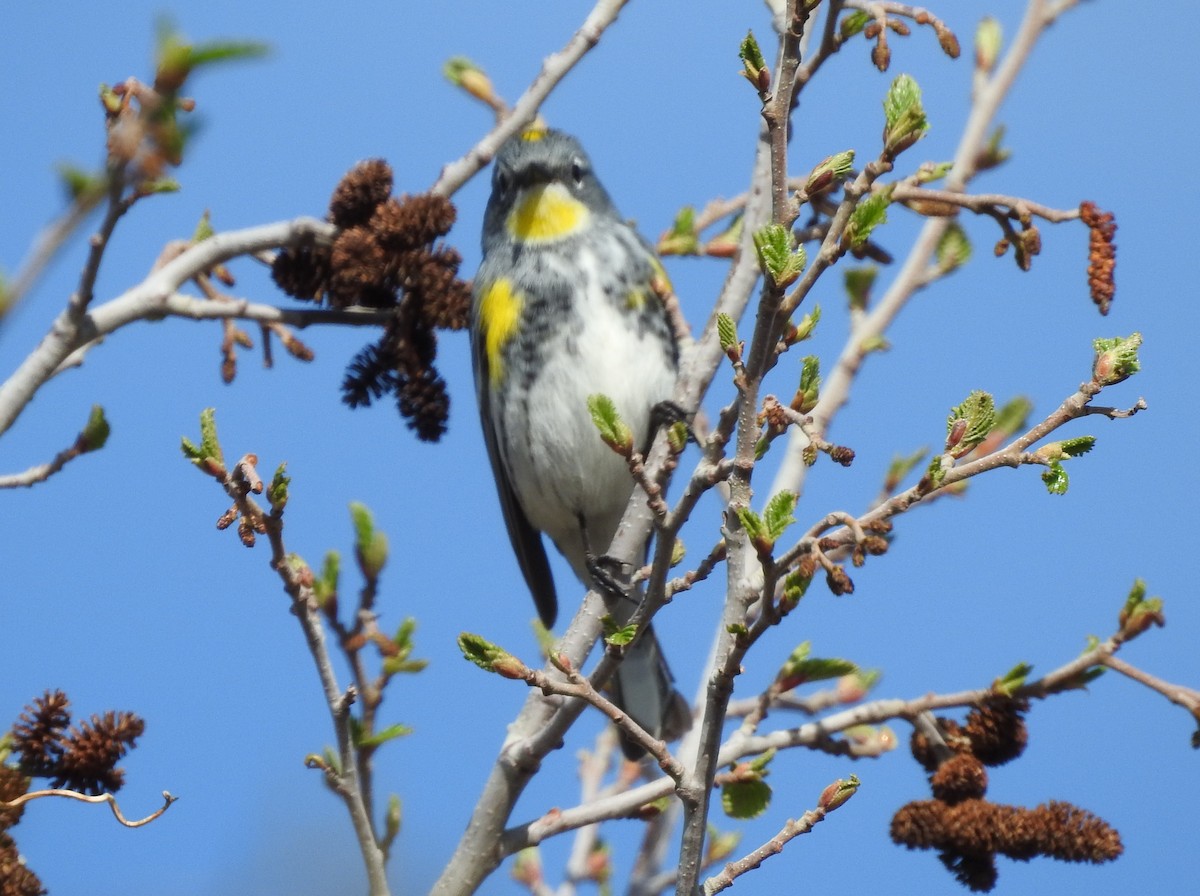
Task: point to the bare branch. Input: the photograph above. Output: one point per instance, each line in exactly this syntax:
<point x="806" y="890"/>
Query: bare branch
<point x="77" y="326"/>
<point x="98" y="798"/>
<point x="1188" y="698"/>
<point x="773" y="847"/>
<point x="554" y="69"/>
<point x="42" y="472"/>
<point x="46" y="246"/>
<point x="349" y="781"/>
<point x="912" y="274"/>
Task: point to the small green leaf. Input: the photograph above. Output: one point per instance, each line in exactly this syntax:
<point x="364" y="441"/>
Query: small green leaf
<point x="83" y="187"/>
<point x="1012" y="680"/>
<point x="203" y="229"/>
<point x="277" y="491"/>
<point x="209" y="443"/>
<point x="1012" y="417"/>
<point x="969" y="423"/>
<point x="382" y="737"/>
<point x="1116" y="359"/>
<point x="809" y="390"/>
<point x="989" y="39"/>
<point x="682" y="238"/>
<point x="752" y="523"/>
<point x="935" y="473"/>
<point x="325" y="585"/>
<point x="719" y="845"/>
<point x="759" y="763"/>
<point x="901" y="467"/>
<point x="1056" y="479"/>
<point x="807" y="325"/>
<point x="1076" y="447"/>
<point x="778" y="260"/>
<point x="618" y="635"/>
<point x="754" y="66"/>
<point x="678" y="552"/>
<point x="391" y="824"/>
<point x="403" y="638"/>
<point x="207" y="455"/>
<point x="858" y="283"/>
<point x="801" y="668"/>
<point x="953" y="249"/>
<point x="1140" y="612"/>
<point x="489" y="657"/>
<point x="726" y="331"/>
<point x="829" y="172"/>
<point x="994" y="154"/>
<point x="467" y="74"/>
<point x="904" y="116"/>
<point x="778" y="513"/>
<point x="396" y="666"/>
<point x="837" y="793"/>
<point x="795" y="586"/>
<point x="95" y="432"/>
<point x="929" y="172"/>
<point x="614" y="432"/>
<point x="176" y="58"/>
<point x="159" y="185"/>
<point x="745" y="799"/>
<point x="870" y="213"/>
<point x="874" y="343"/>
<point x="726" y="243"/>
<point x="853" y="24"/>
<point x="370" y="545"/>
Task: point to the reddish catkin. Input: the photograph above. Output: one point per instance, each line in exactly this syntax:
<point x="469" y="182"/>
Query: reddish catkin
<point x="1102" y="254"/>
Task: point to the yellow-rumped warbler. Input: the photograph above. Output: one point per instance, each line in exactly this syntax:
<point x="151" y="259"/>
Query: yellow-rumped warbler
<point x="565" y="308"/>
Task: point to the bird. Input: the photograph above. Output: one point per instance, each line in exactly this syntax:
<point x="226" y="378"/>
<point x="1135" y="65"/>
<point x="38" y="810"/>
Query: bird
<point x="567" y="304"/>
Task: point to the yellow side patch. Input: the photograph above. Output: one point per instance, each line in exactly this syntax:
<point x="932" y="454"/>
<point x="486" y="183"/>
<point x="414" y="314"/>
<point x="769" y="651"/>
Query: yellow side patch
<point x="499" y="315"/>
<point x="546" y="213"/>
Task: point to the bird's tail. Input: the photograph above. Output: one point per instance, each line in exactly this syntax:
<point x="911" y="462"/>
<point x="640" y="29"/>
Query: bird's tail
<point x="645" y="689"/>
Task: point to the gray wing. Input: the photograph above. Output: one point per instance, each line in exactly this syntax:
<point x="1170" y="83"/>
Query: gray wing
<point x="526" y="540"/>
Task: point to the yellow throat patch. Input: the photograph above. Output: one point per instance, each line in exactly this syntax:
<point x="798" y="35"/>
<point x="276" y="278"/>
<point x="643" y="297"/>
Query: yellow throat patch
<point x="546" y="213"/>
<point x="499" y="315"/>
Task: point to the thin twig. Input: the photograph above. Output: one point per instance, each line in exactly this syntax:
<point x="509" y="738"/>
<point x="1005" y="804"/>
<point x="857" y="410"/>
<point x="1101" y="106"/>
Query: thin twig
<point x="816" y="735"/>
<point x="913" y="273"/>
<point x="554" y="69"/>
<point x="46" y="246"/>
<point x="347" y="781"/>
<point x="773" y="847"/>
<point x="695" y="791"/>
<point x="1188" y="698"/>
<point x="42" y="472"/>
<point x="85" y="798"/>
<point x="79" y="324"/>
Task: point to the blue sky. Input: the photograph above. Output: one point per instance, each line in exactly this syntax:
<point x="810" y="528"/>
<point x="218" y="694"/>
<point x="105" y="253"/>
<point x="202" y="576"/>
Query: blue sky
<point x="119" y="590"/>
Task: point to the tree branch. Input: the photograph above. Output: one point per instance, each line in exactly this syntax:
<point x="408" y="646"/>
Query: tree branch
<point x="85" y="798"/>
<point x="554" y="69"/>
<point x="912" y="275"/>
<point x="77" y="326"/>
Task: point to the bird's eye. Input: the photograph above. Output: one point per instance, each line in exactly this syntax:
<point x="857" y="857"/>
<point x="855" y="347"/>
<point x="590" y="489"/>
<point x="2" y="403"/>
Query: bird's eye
<point x="578" y="170"/>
